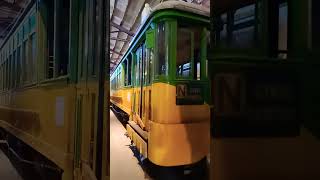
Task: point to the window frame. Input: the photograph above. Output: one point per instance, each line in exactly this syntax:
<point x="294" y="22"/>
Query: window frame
<point x="258" y="47"/>
<point x="167" y="42"/>
<point x="191" y="51"/>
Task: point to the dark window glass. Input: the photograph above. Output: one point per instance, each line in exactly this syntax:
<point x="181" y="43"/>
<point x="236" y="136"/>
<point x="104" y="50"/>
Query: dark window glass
<point x="188" y="51"/>
<point x="50" y="38"/>
<point x="125" y="71"/>
<point x="237" y="28"/>
<point x="145" y="65"/>
<point x="129" y="69"/>
<point x="315" y="24"/>
<point x="162" y="54"/>
<point x="283" y="31"/>
<point x="18" y="65"/>
<point x="24" y="60"/>
<point x="10" y="72"/>
<point x="184" y="40"/>
<point x="138" y="67"/>
<point x="63" y="59"/>
<point x="33" y="55"/>
<point x="33" y="22"/>
<point x="14" y="77"/>
<point x="150" y="57"/>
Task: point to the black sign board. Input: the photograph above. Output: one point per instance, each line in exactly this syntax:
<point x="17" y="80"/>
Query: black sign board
<point x="254" y="103"/>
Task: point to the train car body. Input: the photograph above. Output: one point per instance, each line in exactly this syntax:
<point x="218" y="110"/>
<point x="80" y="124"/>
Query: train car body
<point x="49" y="90"/>
<point x="161" y="84"/>
<point x="264" y="125"/>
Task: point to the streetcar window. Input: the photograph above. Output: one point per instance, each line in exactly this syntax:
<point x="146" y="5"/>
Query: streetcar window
<point x="145" y="66"/>
<point x="26" y="30"/>
<point x="315" y="24"/>
<point x="129" y="69"/>
<point x="32" y="22"/>
<point x="18" y="65"/>
<point x="50" y="37"/>
<point x="24" y="60"/>
<point x="7" y="73"/>
<point x="188" y="49"/>
<point x="162" y="52"/>
<point x="237" y="28"/>
<point x="283" y="31"/>
<point x="33" y="56"/>
<point x="14" y="68"/>
<point x="184" y="51"/>
<point x="125" y="73"/>
<point x="150" y="63"/>
<point x="10" y="72"/>
<point x="63" y="46"/>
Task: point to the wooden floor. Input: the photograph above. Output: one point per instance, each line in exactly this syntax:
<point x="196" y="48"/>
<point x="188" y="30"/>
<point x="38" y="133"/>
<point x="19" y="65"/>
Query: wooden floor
<point x="7" y="171"/>
<point x="123" y="165"/>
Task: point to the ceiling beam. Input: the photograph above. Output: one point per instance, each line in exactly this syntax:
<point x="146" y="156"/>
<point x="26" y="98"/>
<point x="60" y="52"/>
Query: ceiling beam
<point x="111" y="62"/>
<point x="4" y="23"/>
<point x="113" y="51"/>
<point x="119" y="39"/>
<point x="6" y="18"/>
<point x="122" y="29"/>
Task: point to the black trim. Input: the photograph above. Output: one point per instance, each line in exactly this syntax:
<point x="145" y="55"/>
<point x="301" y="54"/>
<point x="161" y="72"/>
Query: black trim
<point x="103" y="58"/>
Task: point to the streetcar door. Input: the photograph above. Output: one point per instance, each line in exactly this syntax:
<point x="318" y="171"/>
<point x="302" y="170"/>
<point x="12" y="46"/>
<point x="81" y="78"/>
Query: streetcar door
<point x="138" y="87"/>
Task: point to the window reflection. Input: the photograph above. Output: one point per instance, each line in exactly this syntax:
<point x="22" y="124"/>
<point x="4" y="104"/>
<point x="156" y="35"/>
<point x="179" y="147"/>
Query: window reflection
<point x="161" y="68"/>
<point x="237" y="29"/>
<point x="188" y="49"/>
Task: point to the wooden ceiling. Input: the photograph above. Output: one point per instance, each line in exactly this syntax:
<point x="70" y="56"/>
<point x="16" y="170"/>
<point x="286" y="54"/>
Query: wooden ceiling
<point x="125" y="21"/>
<point x="9" y="11"/>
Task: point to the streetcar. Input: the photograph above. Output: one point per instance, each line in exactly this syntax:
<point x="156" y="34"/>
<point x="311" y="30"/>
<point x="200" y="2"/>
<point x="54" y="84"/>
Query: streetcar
<point x="263" y="68"/>
<point x="49" y="91"/>
<point x="161" y="84"/>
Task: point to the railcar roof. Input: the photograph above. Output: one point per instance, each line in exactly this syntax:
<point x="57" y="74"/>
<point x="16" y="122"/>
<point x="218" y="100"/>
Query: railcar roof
<point x="176" y="5"/>
<point x="125" y="17"/>
<point x="167" y="5"/>
<point x="184" y="6"/>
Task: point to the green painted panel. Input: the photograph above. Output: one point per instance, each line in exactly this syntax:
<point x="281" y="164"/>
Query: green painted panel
<point x="150" y="38"/>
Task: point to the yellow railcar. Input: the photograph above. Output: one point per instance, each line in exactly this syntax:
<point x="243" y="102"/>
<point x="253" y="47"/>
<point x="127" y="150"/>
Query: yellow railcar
<point x="49" y="91"/>
<point x="161" y="84"/>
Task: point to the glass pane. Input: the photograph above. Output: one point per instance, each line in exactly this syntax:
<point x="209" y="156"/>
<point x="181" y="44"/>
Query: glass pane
<point x="26" y="30"/>
<point x="145" y="66"/>
<point x="222" y="35"/>
<point x="32" y="22"/>
<point x="162" y="66"/>
<point x="283" y="30"/>
<point x="124" y="65"/>
<point x="129" y="69"/>
<point x="150" y="57"/>
<point x="188" y="49"/>
<point x="18" y="65"/>
<point x="184" y="39"/>
<point x="237" y="28"/>
<point x="198" y="71"/>
<point x="244" y="27"/>
<point x="315" y="24"/>
<point x="24" y="60"/>
<point x="33" y="55"/>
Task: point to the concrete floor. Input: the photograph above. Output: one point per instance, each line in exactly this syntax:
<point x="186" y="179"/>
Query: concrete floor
<point x="123" y="164"/>
<point x="7" y="171"/>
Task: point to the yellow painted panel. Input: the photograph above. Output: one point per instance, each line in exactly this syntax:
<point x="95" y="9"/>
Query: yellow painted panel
<point x="178" y="144"/>
<point x="165" y="110"/>
<point x="294" y="158"/>
<point x="51" y="137"/>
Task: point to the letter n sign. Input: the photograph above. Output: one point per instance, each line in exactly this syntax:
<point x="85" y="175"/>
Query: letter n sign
<point x="182" y="90"/>
<point x="228" y="93"/>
